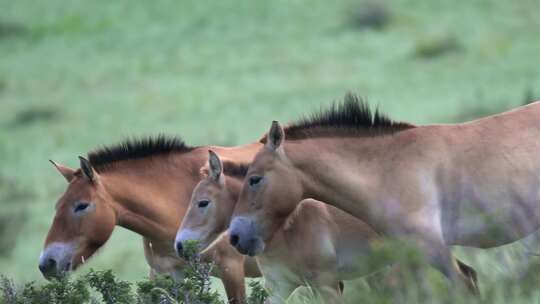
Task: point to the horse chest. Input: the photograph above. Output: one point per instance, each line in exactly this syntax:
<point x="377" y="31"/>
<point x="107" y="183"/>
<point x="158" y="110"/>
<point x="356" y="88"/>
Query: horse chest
<point x="280" y="270"/>
<point x="163" y="264"/>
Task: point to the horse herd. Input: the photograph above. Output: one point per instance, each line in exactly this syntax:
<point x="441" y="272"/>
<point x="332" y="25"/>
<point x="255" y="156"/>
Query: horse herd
<point x="309" y="203"/>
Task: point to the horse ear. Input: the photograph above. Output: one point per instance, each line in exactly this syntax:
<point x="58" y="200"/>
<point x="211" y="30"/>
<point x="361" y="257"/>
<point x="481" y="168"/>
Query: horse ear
<point x="67" y="172"/>
<point x="276" y="135"/>
<point x="88" y="170"/>
<point x="215" y="164"/>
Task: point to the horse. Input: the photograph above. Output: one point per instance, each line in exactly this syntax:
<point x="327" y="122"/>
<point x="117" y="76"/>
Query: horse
<point x="473" y="184"/>
<point x="335" y="246"/>
<point x="143" y="185"/>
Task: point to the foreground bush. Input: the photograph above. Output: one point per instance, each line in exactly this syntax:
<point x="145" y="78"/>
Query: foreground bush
<point x="104" y="287"/>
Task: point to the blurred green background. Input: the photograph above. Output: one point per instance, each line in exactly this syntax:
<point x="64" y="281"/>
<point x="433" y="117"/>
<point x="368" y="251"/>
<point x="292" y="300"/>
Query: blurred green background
<point x="75" y="75"/>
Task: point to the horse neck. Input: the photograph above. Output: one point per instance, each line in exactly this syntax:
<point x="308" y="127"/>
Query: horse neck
<point x="341" y="171"/>
<point x="151" y="196"/>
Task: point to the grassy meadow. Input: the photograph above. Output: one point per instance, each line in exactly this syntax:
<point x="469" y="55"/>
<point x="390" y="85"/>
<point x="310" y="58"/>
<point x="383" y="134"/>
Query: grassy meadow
<point x="75" y="75"/>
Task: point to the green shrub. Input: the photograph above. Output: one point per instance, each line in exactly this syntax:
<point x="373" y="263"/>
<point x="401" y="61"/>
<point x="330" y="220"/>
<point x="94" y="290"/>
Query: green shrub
<point x="9" y="29"/>
<point x="258" y="293"/>
<point x="196" y="285"/>
<point x="32" y="114"/>
<point x="111" y="289"/>
<point x="193" y="289"/>
<point x="161" y="289"/>
<point x="437" y="46"/>
<point x="370" y="15"/>
<point x="62" y="291"/>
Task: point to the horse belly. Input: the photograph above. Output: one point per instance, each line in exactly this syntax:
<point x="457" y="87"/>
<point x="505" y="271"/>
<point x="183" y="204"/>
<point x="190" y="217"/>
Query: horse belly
<point x="490" y="224"/>
<point x="361" y="258"/>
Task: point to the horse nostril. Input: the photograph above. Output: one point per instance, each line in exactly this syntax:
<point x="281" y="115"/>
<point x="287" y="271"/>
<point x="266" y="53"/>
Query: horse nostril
<point x="234" y="239"/>
<point x="51" y="263"/>
<point x="179" y="248"/>
<point x="47" y="266"/>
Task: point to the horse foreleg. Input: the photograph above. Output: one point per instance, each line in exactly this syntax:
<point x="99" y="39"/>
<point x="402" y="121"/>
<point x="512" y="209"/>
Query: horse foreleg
<point x="341" y="287"/>
<point x="279" y="288"/>
<point x="152" y="273"/>
<point x="231" y="271"/>
<point x="328" y="287"/>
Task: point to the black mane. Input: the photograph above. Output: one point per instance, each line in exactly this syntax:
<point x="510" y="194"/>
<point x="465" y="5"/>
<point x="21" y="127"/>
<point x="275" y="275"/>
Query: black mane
<point x="353" y="116"/>
<point x="136" y="149"/>
<point x="238" y="170"/>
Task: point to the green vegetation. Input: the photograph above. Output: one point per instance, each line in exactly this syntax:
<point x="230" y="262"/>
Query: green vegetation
<point x="75" y="75"/>
<point x="438" y="46"/>
<point x="104" y="287"/>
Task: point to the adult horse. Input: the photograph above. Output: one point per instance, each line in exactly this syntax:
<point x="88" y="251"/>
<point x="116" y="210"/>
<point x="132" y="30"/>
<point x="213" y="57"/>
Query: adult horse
<point x="471" y="184"/>
<point x="144" y="186"/>
<point x="326" y="256"/>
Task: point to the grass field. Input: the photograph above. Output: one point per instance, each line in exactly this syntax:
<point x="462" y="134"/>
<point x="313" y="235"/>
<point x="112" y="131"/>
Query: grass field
<point x="79" y="74"/>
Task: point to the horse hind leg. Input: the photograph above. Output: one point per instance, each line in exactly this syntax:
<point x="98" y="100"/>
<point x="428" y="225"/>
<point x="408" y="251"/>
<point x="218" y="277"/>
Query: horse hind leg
<point x="341" y="287"/>
<point x="440" y="257"/>
<point x="458" y="273"/>
<point x="470" y="273"/>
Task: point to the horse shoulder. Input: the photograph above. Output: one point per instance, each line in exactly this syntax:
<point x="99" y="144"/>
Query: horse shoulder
<point x="310" y="226"/>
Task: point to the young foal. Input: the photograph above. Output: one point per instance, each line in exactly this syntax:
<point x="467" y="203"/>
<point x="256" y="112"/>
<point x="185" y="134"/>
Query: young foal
<point x="143" y="186"/>
<point x="315" y="244"/>
<point x="472" y="184"/>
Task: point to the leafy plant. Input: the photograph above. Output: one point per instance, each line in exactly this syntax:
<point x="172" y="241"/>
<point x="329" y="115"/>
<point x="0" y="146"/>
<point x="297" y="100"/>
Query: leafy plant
<point x="33" y="114"/>
<point x="196" y="285"/>
<point x="111" y="289"/>
<point x="258" y="293"/>
<point x="370" y="14"/>
<point x="161" y="289"/>
<point x="195" y="288"/>
<point x="61" y="291"/>
<point x="437" y="46"/>
<point x="8" y="29"/>
<point x="9" y="294"/>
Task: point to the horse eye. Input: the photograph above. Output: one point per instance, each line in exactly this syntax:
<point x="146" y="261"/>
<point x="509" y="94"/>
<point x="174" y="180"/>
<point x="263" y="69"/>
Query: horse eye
<point x="81" y="207"/>
<point x="254" y="180"/>
<point x="203" y="204"/>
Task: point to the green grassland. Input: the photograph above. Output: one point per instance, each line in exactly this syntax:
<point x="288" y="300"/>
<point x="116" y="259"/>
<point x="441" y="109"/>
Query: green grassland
<point x="79" y="74"/>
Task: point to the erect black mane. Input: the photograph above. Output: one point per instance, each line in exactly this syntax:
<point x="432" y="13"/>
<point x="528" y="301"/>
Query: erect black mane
<point x="135" y="149"/>
<point x="353" y="116"/>
<point x="238" y="170"/>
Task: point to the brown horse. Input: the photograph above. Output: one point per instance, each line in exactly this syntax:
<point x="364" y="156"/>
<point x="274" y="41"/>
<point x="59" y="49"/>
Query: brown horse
<point x="143" y="186"/>
<point x="472" y="184"/>
<point x="316" y="245"/>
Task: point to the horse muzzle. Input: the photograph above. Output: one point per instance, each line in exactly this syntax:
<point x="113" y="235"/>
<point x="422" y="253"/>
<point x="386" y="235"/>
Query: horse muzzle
<point x="55" y="260"/>
<point x="244" y="237"/>
<point x="183" y="239"/>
